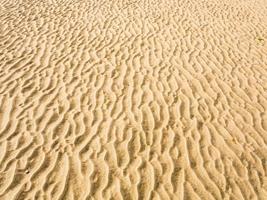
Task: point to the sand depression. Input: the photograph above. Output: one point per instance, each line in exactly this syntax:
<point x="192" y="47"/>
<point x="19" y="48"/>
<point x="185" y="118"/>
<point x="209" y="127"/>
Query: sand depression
<point x="147" y="99"/>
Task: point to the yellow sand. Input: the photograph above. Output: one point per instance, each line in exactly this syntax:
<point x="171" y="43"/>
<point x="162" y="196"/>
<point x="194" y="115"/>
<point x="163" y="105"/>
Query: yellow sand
<point x="122" y="99"/>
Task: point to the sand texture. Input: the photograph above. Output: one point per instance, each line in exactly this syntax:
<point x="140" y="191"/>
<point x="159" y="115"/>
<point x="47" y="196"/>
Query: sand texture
<point x="123" y="99"/>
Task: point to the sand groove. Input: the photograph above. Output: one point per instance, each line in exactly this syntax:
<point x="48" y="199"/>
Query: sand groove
<point x="141" y="99"/>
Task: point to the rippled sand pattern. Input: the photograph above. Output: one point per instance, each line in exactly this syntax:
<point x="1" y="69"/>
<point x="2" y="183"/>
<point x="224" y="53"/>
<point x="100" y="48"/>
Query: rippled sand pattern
<point x="148" y="99"/>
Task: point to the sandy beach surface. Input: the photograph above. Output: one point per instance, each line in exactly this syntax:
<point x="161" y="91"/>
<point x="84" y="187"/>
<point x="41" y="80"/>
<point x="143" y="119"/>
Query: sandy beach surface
<point x="133" y="99"/>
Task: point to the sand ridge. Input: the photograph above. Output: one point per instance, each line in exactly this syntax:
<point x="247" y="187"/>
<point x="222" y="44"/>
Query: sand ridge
<point x="140" y="99"/>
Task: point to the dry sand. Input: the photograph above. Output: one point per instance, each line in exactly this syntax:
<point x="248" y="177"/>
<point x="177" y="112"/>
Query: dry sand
<point x="148" y="99"/>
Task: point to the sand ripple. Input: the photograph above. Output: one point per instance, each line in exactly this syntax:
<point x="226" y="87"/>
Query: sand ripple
<point x="133" y="99"/>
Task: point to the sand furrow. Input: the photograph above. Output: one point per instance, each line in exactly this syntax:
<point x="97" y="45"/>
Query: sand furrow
<point x="129" y="99"/>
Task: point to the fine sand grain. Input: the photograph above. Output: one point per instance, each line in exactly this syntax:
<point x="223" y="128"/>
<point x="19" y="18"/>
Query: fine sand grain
<point x="124" y="99"/>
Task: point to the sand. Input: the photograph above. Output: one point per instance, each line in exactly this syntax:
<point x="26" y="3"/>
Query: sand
<point x="147" y="99"/>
